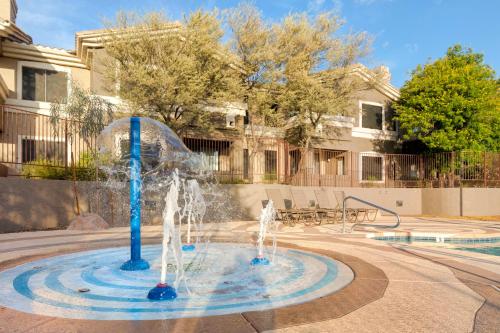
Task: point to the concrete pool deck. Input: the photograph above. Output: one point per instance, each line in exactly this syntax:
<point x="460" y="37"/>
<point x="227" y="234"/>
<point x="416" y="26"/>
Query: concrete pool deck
<point x="397" y="287"/>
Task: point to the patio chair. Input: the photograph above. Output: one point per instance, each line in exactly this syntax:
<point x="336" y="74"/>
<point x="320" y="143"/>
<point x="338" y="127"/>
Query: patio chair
<point x="309" y="211"/>
<point x="283" y="208"/>
<point x="332" y="212"/>
<point x="356" y="214"/>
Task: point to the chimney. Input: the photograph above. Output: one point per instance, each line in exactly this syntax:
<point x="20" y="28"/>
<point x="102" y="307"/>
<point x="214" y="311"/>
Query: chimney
<point x="383" y="73"/>
<point x="8" y="10"/>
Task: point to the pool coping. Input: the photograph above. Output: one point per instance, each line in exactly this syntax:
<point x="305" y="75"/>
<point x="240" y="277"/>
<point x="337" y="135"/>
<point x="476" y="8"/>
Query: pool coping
<point x="439" y="236"/>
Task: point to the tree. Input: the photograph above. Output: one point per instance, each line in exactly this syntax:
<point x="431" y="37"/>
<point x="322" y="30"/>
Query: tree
<point x="86" y="115"/>
<point x="296" y="72"/>
<point x="252" y="44"/>
<point x="171" y="72"/>
<point x="317" y="74"/>
<point x="316" y="68"/>
<point x="452" y="104"/>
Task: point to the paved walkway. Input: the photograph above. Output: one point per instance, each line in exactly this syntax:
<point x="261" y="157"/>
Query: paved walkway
<point x="405" y="288"/>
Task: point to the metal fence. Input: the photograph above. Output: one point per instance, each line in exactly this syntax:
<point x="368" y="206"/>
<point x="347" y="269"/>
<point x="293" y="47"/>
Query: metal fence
<point x="247" y="160"/>
<point x="29" y="139"/>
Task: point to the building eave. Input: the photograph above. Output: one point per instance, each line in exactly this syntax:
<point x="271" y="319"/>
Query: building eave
<point x="10" y="31"/>
<point x="41" y="54"/>
<point x="385" y="87"/>
<point x="95" y="39"/>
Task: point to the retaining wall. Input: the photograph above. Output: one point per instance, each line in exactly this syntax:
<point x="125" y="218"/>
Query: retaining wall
<point x="27" y="204"/>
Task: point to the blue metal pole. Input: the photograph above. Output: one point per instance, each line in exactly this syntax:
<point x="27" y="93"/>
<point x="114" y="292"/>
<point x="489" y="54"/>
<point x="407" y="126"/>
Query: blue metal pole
<point x="136" y="262"/>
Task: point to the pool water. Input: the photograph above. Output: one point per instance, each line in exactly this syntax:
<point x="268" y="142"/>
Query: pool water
<point x="493" y="250"/>
<point x="490" y="246"/>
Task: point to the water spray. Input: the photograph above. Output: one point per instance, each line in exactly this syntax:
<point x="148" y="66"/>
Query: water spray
<point x="194" y="210"/>
<point x="267" y="218"/>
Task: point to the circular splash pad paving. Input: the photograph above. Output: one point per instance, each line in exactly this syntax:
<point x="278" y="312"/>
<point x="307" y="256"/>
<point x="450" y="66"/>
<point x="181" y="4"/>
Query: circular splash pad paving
<point x="219" y="280"/>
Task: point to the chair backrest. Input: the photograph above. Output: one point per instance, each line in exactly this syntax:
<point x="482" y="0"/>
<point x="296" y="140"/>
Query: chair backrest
<point x="274" y="194"/>
<point x="323" y="200"/>
<point x="339" y="196"/>
<point x="300" y="199"/>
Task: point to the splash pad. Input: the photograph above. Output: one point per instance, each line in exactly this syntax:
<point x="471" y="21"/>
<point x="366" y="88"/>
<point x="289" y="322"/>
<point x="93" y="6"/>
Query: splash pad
<point x="219" y="281"/>
<point x="182" y="277"/>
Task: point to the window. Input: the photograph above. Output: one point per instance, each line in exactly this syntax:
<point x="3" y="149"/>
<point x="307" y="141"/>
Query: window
<point x="214" y="154"/>
<point x="246" y="162"/>
<point x="372" y="167"/>
<point x="211" y="159"/>
<point x="42" y="150"/>
<point x="246" y="119"/>
<point x="390" y="122"/>
<point x="317" y="163"/>
<point x="340" y="166"/>
<point x="294" y="161"/>
<point x="44" y="85"/>
<point x="371" y="116"/>
<point x="271" y="158"/>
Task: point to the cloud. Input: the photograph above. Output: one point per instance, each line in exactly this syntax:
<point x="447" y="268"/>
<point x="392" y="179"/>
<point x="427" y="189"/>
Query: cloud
<point x="46" y="23"/>
<point x="337" y="5"/>
<point x="369" y="2"/>
<point x="412" y="47"/>
<point x="315" y="5"/>
<point x="48" y="30"/>
<point x="385" y="44"/>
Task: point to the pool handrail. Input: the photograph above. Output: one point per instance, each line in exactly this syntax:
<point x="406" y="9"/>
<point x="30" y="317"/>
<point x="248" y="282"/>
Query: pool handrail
<point x="350" y="197"/>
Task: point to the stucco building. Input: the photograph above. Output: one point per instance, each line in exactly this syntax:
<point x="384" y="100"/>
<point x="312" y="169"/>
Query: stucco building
<point x="348" y="149"/>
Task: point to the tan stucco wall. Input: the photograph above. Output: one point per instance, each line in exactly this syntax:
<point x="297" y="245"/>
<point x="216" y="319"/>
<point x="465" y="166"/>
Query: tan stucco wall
<point x="8" y="68"/>
<point x="475" y="201"/>
<point x="249" y="198"/>
<point x="81" y="76"/>
<point x="44" y="204"/>
<point x="8" y="10"/>
<point x="441" y="201"/>
<point x="99" y="83"/>
<point x="368" y="145"/>
<point x="481" y="201"/>
<point x="34" y="205"/>
<point x="27" y="204"/>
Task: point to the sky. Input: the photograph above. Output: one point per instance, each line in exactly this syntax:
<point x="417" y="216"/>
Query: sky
<point x="405" y="32"/>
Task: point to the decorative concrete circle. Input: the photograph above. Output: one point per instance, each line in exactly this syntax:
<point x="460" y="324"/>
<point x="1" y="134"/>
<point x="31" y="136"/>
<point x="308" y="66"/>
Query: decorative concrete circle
<point x="219" y="280"/>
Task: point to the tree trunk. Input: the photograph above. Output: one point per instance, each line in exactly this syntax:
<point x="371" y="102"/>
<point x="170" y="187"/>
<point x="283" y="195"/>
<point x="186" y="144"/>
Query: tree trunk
<point x="75" y="191"/>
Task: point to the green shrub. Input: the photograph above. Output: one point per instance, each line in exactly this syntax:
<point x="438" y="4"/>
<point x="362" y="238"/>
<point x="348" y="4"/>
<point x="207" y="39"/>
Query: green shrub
<point x="41" y="168"/>
<point x="269" y="177"/>
<point x="45" y="169"/>
<point x="233" y="181"/>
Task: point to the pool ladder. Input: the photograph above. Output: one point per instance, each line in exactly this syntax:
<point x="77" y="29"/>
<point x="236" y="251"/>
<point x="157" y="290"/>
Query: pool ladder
<point x="398" y="220"/>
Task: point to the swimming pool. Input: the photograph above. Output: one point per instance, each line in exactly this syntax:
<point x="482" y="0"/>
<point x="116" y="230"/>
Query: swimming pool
<point x="492" y="250"/>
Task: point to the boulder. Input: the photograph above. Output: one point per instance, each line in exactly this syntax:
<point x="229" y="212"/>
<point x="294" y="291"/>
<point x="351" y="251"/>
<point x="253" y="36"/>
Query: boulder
<point x="89" y="222"/>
